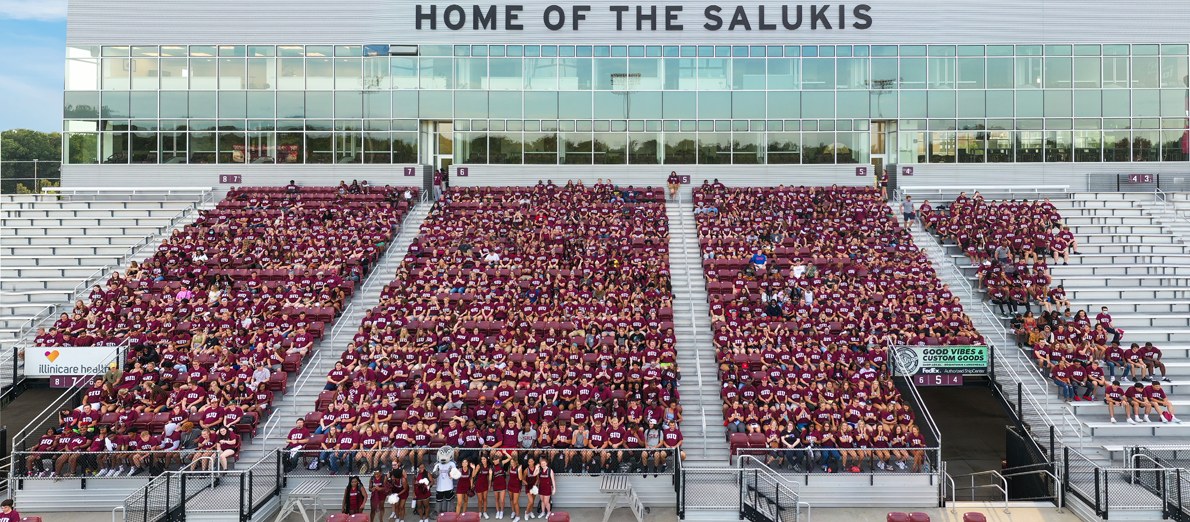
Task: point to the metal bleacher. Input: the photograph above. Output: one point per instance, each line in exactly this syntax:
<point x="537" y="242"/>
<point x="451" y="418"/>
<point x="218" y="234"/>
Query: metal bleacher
<point x="1134" y="260"/>
<point x="56" y="245"/>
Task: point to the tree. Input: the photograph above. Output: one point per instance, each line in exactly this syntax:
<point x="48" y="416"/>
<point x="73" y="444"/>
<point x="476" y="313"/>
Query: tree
<point x="18" y="150"/>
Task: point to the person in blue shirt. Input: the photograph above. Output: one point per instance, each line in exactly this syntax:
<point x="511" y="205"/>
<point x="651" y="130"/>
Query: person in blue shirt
<point x="758" y="261"/>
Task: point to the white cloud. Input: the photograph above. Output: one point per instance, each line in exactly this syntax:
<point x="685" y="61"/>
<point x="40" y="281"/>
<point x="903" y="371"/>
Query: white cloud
<point x="46" y="10"/>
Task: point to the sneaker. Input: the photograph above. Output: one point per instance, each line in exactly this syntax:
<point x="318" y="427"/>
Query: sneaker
<point x="1176" y="420"/>
<point x="499" y="515"/>
<point x="1113" y="420"/>
<point x="1089" y="398"/>
<point x="1076" y="398"/>
<point x="1164" y="420"/>
<point x="516" y="519"/>
<point x="1147" y="419"/>
<point x="1165" y="379"/>
<point x="1138" y="419"/>
<point x="901" y="465"/>
<point x="880" y="465"/>
<point x="119" y="470"/>
<point x="485" y="515"/>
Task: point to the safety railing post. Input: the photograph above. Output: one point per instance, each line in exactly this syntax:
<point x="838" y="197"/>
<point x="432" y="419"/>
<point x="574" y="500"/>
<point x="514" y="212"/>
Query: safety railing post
<point x="146" y="502"/>
<point x="250" y="503"/>
<point x="1101" y="509"/>
<point x="1020" y="388"/>
<point x="182" y="490"/>
<point x="167" y="497"/>
<point x="243" y="516"/>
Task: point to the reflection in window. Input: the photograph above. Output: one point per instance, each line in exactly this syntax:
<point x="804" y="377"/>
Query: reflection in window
<point x="611" y="148"/>
<point x="1088" y="146"/>
<point x="681" y="148"/>
<point x="1000" y="146"/>
<point x="1059" y="146"/>
<point x="818" y="147"/>
<point x="644" y="148"/>
<point x="1029" y="145"/>
<point x="541" y="148"/>
<point x="1117" y="146"/>
<point x="504" y="148"/>
<point x="575" y="148"/>
<point x="784" y="148"/>
<point x="714" y="148"/>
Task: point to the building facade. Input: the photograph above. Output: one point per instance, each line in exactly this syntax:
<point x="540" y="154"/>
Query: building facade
<point x="948" y="85"/>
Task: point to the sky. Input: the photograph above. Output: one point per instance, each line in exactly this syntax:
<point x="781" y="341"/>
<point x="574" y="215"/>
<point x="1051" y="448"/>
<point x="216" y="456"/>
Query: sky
<point x="32" y="50"/>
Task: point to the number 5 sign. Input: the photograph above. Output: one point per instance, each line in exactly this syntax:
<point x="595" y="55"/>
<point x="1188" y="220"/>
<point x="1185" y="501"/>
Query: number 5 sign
<point x="861" y="171"/>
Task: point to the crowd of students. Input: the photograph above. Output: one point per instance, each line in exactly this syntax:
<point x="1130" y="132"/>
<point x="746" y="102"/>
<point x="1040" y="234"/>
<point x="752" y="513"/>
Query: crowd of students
<point x="213" y="322"/>
<point x="1012" y="243"/>
<point x="808" y="287"/>
<point x="527" y="317"/>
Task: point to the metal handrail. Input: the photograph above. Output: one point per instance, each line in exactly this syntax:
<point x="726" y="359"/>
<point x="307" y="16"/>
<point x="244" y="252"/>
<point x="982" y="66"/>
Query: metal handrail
<point x="764" y="467"/>
<point x="1002" y="486"/>
<point x="1057" y="482"/>
<point x="121" y="509"/>
<point x="694" y="325"/>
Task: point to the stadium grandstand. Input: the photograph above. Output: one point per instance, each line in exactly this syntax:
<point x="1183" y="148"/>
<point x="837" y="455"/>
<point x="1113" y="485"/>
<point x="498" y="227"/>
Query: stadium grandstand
<point x="384" y="260"/>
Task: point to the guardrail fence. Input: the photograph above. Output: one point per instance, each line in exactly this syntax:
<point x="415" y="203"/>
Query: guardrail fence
<point x="236" y="494"/>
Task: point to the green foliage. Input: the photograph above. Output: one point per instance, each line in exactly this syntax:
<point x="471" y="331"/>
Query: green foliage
<point x="18" y="171"/>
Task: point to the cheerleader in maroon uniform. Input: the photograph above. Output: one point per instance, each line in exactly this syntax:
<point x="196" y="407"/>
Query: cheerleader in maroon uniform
<point x="379" y="489"/>
<point x="400" y="486"/>
<point x="499" y="484"/>
<point x="421" y="492"/>
<point x="482" y="477"/>
<point x="515" y="476"/>
<point x="545" y="487"/>
<point x="354" y="496"/>
<point x="531" y="472"/>
<point x="463" y="486"/>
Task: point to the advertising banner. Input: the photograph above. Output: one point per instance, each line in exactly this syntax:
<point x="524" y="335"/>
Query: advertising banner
<point x="68" y="360"/>
<point x="929" y="360"/>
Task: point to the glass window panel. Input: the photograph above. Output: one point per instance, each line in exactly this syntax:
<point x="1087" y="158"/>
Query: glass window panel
<point x="1029" y="104"/>
<point x="505" y="74"/>
<point x="348" y="73"/>
<point x="748" y="74"/>
<point x="435" y="73"/>
<point x="142" y="105"/>
<point x="471" y="147"/>
<point x="852" y="73"/>
<point x="541" y="105"/>
<point x="291" y="74"/>
<point x="679" y="105"/>
<point x="714" y="73"/>
<point x="174" y="104"/>
<point x="144" y="73"/>
<point x="320" y="73"/>
<point x="971" y="73"/>
<point x="648" y="73"/>
<point x="1088" y="146"/>
<point x="82" y="70"/>
<point x="1028" y="72"/>
<point x="439" y="104"/>
<point x="1059" y="146"/>
<point x="505" y="105"/>
<point x="402" y="71"/>
<point x="941" y="104"/>
<point x="116" y="73"/>
<point x="714" y="148"/>
<point x="781" y="104"/>
<point x="541" y="74"/>
<point x="644" y="105"/>
<point x="1146" y="103"/>
<point x="853" y="104"/>
<point x="541" y="148"/>
<point x="913" y="104"/>
<point x="405" y="147"/>
<point x="113" y="146"/>
<point x="202" y="147"/>
<point x="818" y="73"/>
<point x="680" y="74"/>
<point x="1000" y="73"/>
<point x="852" y="147"/>
<point x="1088" y="103"/>
<point x="575" y="148"/>
<point x="405" y="104"/>
<point x="818" y="147"/>
<point x="1174" y="71"/>
<point x="576" y="105"/>
<point x="1087" y="72"/>
<point x="1000" y="146"/>
<point x="1173" y="145"/>
<point x="884" y="104"/>
<point x="972" y="146"/>
<point x="941" y="73"/>
<point x="714" y="105"/>
<point x="202" y="104"/>
<point x="611" y="105"/>
<point x="644" y="148"/>
<point x="782" y="73"/>
<point x="681" y="148"/>
<point x="1115" y="71"/>
<point x="748" y="105"/>
<point x="971" y="104"/>
<point x="575" y="73"/>
<point x="262" y="73"/>
<point x="291" y="105"/>
<point x="784" y="148"/>
<point x="1117" y="146"/>
<point x="81" y="105"/>
<point x="1029" y="146"/>
<point x="144" y="147"/>
<point x="818" y="104"/>
<point x="471" y="104"/>
<point x="231" y="147"/>
<point x="231" y="73"/>
<point x="320" y="104"/>
<point x="1116" y="103"/>
<point x="1057" y="73"/>
<point x="320" y="147"/>
<point x="611" y="148"/>
<point x="1174" y="102"/>
<point x="1145" y="72"/>
<point x="82" y="148"/>
<point x="376" y="104"/>
<point x="349" y="104"/>
<point x="1057" y="103"/>
<point x="913" y="73"/>
<point x="1146" y="145"/>
<point x="232" y="105"/>
<point x="747" y="148"/>
<point x="942" y="147"/>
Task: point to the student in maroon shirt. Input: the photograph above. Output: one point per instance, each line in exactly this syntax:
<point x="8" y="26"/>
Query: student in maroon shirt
<point x="1113" y="396"/>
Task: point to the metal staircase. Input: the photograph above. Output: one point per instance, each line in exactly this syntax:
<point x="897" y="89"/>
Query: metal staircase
<point x="702" y="426"/>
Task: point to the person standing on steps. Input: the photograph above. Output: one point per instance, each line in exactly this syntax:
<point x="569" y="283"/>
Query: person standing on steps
<point x="907" y="212"/>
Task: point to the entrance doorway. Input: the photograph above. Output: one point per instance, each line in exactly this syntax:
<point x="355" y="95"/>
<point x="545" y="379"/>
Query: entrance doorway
<point x="437" y="144"/>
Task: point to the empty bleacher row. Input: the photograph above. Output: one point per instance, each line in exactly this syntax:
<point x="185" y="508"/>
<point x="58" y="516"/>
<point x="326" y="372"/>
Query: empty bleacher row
<point x="530" y="317"/>
<point x="53" y="245"/>
<point x="1128" y="263"/>
<point x="808" y="288"/>
<point x="214" y="321"/>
